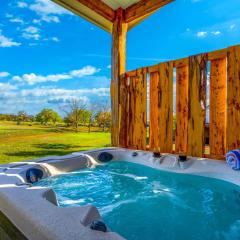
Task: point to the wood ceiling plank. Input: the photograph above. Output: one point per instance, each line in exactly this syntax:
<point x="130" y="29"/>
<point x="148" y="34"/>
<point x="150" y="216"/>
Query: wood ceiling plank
<point x="143" y="8"/>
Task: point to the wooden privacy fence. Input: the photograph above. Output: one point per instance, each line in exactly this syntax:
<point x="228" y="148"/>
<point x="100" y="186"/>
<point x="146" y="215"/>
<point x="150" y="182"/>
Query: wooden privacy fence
<point x="192" y="77"/>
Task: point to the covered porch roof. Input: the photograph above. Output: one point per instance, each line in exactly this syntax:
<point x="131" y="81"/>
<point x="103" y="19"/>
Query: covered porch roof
<point x="103" y="12"/>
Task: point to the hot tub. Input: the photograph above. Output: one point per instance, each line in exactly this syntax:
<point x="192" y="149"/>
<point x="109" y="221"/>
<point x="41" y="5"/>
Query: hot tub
<point x="137" y="195"/>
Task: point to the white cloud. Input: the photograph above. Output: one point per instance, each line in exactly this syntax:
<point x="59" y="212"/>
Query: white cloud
<point x="85" y="71"/>
<point x="31" y="29"/>
<point x="216" y="33"/>
<point x="55" y="39"/>
<point x="201" y="34"/>
<point x="31" y="33"/>
<point x="5" y="87"/>
<point x="46" y="7"/>
<point x="22" y="4"/>
<point x="16" y="20"/>
<point x="4" y="74"/>
<point x="48" y="11"/>
<point x="33" y="78"/>
<point x="8" y="15"/>
<point x="32" y="44"/>
<point x="31" y="36"/>
<point x="63" y="93"/>
<point x="7" y="42"/>
<point x="47" y="19"/>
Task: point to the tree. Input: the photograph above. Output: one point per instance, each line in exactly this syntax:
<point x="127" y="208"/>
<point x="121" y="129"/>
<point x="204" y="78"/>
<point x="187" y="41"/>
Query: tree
<point x="104" y="120"/>
<point x="93" y="110"/>
<point x="22" y="117"/>
<point x="74" y="110"/>
<point x="48" y="115"/>
<point x="103" y="116"/>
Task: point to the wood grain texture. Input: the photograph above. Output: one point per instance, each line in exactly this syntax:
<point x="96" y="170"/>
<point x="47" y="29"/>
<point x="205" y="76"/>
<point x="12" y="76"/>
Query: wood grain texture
<point x="118" y="68"/>
<point x="218" y="107"/>
<point x="143" y="7"/>
<point x="233" y="98"/>
<point x="137" y="128"/>
<point x="124" y="111"/>
<point x="99" y="7"/>
<point x="165" y="107"/>
<point x="197" y="104"/>
<point x="181" y="108"/>
<point x="101" y="17"/>
<point x="154" y="128"/>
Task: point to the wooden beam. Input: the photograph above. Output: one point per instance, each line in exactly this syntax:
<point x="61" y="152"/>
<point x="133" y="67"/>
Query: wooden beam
<point x="119" y="34"/>
<point x="99" y="7"/>
<point x="100" y="17"/>
<point x="142" y="8"/>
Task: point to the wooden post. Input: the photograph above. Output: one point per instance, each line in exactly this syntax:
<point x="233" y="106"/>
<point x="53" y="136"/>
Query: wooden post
<point x="119" y="34"/>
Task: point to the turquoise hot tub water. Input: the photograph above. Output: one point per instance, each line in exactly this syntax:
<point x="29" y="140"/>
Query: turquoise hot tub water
<point x="142" y="203"/>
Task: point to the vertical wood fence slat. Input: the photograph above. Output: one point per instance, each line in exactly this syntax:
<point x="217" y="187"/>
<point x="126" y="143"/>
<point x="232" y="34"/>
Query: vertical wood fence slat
<point x="233" y="98"/>
<point x="138" y="111"/>
<point x="153" y="136"/>
<point x="124" y="111"/>
<point x="218" y="91"/>
<point x="197" y="105"/>
<point x="181" y="109"/>
<point x="165" y="104"/>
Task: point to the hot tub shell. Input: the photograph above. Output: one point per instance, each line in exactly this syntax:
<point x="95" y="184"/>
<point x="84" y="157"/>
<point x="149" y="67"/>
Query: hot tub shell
<point x="34" y="211"/>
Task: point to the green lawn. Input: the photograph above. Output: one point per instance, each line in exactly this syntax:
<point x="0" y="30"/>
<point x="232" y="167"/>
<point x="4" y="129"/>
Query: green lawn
<point x="26" y="142"/>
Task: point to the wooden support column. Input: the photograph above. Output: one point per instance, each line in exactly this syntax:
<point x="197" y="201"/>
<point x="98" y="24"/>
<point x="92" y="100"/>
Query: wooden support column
<point x="119" y="34"/>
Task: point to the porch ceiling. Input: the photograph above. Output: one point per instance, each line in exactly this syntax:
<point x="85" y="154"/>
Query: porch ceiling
<point x="115" y="4"/>
<point x="102" y="12"/>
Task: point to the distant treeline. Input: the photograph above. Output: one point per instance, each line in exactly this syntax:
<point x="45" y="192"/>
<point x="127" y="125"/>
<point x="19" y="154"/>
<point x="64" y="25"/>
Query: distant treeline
<point x="75" y="114"/>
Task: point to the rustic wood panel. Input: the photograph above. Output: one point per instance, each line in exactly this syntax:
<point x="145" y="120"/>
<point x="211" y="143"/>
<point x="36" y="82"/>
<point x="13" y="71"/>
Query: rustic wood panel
<point x="218" y="108"/>
<point x="118" y="68"/>
<point x="233" y="98"/>
<point x="181" y="109"/>
<point x="138" y="111"/>
<point x="124" y="110"/>
<point x="153" y="133"/>
<point x="165" y="105"/>
<point x="197" y="104"/>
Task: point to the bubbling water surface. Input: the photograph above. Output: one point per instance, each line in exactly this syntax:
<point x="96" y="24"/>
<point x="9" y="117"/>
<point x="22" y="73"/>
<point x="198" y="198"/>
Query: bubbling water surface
<point x="141" y="203"/>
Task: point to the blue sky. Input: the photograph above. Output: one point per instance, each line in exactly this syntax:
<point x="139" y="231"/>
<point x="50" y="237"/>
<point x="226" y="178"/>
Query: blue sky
<point x="49" y="55"/>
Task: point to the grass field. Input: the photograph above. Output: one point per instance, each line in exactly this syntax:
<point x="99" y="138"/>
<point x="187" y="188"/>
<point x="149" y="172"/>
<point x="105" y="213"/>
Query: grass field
<point x="24" y="142"/>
